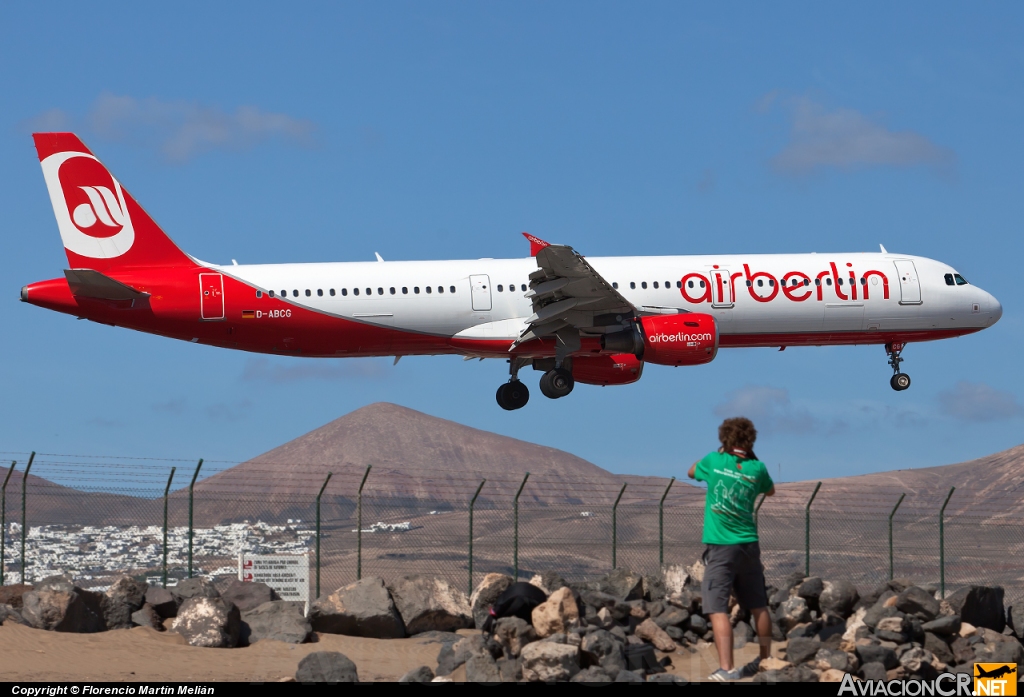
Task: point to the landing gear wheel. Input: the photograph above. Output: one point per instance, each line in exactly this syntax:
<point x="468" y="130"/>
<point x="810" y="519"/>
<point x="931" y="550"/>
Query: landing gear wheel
<point x="900" y="382"/>
<point x="512" y="395"/>
<point x="556" y="383"/>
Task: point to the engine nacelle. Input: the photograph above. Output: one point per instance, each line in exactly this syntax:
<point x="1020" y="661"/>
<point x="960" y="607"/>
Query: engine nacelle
<point x="685" y="339"/>
<point x="619" y="369"/>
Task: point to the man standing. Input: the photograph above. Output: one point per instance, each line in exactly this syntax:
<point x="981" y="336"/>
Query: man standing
<point x="732" y="559"/>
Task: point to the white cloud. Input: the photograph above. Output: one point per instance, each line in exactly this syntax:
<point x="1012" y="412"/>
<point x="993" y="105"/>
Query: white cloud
<point x="976" y="401"/>
<point x="769" y="408"/>
<point x="847" y="139"/>
<point x="179" y="129"/>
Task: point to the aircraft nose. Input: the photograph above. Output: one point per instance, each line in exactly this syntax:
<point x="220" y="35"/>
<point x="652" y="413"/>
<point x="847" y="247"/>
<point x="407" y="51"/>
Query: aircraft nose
<point x="993" y="307"/>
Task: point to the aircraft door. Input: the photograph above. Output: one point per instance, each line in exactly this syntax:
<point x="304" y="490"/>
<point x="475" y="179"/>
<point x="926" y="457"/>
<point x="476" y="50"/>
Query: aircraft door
<point x="910" y="285"/>
<point x="211" y="296"/>
<point x="723" y="294"/>
<point x="480" y="287"/>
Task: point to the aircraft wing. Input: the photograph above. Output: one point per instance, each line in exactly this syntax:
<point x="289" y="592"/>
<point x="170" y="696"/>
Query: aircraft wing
<point x="571" y="299"/>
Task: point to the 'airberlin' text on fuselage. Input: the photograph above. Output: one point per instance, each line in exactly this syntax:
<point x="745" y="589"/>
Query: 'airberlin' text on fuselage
<point x="795" y="285"/>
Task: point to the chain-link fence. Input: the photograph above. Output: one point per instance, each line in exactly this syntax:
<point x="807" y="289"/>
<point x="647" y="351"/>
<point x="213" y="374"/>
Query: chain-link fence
<point x="94" y="518"/>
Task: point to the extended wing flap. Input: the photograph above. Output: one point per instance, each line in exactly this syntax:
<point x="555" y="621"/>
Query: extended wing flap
<point x="86" y="283"/>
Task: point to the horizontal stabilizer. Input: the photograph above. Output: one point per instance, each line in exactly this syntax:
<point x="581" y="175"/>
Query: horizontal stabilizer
<point x="86" y="283"/>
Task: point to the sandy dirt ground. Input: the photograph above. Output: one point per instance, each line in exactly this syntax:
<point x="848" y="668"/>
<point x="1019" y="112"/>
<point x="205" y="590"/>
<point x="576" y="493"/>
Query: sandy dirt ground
<point x="142" y="654"/>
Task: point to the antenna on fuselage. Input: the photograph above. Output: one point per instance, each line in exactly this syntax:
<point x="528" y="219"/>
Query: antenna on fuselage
<point x="884" y="251"/>
<point x="379" y="257"/>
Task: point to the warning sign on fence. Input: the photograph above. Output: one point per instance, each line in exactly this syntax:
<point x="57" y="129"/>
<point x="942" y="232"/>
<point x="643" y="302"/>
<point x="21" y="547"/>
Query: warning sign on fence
<point x="287" y="574"/>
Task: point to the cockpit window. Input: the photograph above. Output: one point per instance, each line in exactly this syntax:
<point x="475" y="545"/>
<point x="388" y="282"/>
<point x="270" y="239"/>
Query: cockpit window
<point x="960" y="280"/>
<point x="949" y="279"/>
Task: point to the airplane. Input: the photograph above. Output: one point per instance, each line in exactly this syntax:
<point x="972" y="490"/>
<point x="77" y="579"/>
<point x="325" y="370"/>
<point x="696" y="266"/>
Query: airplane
<point x="596" y="321"/>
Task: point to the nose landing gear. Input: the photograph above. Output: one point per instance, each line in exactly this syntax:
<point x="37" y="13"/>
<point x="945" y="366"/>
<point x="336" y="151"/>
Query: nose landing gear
<point x="899" y="380"/>
<point x="513" y="394"/>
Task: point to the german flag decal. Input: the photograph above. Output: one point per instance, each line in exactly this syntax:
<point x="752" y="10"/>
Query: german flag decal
<point x="248" y="314"/>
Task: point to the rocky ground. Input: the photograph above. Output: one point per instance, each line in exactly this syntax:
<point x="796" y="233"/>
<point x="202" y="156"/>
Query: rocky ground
<point x="623" y="627"/>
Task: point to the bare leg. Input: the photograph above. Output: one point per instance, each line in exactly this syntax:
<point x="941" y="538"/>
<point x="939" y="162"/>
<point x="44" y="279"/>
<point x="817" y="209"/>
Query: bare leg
<point x="723" y="638"/>
<point x="763" y="620"/>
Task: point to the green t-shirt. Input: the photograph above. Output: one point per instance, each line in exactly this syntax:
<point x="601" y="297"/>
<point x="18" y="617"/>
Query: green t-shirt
<point x="733" y="486"/>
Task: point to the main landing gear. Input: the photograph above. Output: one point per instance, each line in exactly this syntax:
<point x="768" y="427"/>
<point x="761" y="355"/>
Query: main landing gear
<point x="513" y="394"/>
<point x="899" y="381"/>
<point x="556" y="383"/>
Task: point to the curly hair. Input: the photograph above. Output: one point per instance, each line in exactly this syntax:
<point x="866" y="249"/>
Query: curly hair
<point x="737" y="433"/>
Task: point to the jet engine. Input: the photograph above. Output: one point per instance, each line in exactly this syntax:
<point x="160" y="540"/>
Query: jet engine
<point x="684" y="339"/>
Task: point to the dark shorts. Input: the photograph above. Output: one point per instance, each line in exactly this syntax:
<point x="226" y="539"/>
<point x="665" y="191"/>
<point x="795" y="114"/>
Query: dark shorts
<point x="736" y="570"/>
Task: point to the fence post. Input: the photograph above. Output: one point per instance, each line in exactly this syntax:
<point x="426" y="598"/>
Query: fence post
<point x="661" y="524"/>
<point x="24" y="520"/>
<point x="166" y="490"/>
<point x="359" y="525"/>
<point x="942" y="544"/>
<point x="318" y="533"/>
<point x="190" y="487"/>
<point x="615" y="532"/>
<point x="807" y="532"/>
<point x="3" y="523"/>
<point x="515" y="530"/>
<point x="757" y="508"/>
<point x="471" y="504"/>
<point x="902" y="496"/>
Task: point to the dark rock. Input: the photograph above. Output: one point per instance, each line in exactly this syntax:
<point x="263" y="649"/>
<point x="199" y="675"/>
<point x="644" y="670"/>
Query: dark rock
<point x="620" y="633"/>
<point x="454" y="655"/>
<point x="877" y="654"/>
<point x="249" y="595"/>
<point x="962" y="650"/>
<point x="1015" y="618"/>
<point x="11" y="595"/>
<point x="510" y="669"/>
<point x="363" y="608"/>
<point x="513" y="634"/>
<point x="416" y="675"/>
<point x="810" y="589"/>
<point x="279" y="620"/>
<point x="998" y="649"/>
<point x="608" y="650"/>
<point x="805" y="629"/>
<point x="482" y="668"/>
<point x="801" y="649"/>
<point x="326" y="666"/>
<point x="793" y="612"/>
<point x="938" y="647"/>
<point x="430" y="602"/>
<point x="657" y="607"/>
<point x="10" y="616"/>
<point x="879" y="612"/>
<point x="162" y="601"/>
<point x="898" y="585"/>
<point x="193" y="588"/>
<point x="146" y="616"/>
<point x="691" y="637"/>
<point x="434" y="637"/>
<point x="778" y="597"/>
<point x="742" y="633"/>
<point x="486" y="594"/>
<point x="627" y="676"/>
<point x="674" y="617"/>
<point x="981" y="606"/>
<point x="876" y="596"/>
<point x="208" y="622"/>
<point x="697" y="624"/>
<point x="874" y="671"/>
<point x="840" y="660"/>
<point x="945" y="625"/>
<point x="675" y="633"/>
<point x="838" y="597"/>
<point x="123" y="597"/>
<point x="593" y="674"/>
<point x="654" y="587"/>
<point x="801" y="673"/>
<point x="58" y="605"/>
<point x="917" y="602"/>
<point x="623" y="584"/>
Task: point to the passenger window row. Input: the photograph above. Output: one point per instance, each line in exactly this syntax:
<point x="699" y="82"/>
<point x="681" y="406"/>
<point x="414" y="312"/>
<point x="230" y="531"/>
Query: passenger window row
<point x="511" y="288"/>
<point x="655" y="285"/>
<point x="356" y="291"/>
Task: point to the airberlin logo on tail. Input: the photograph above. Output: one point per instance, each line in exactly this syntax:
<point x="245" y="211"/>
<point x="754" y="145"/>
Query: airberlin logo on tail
<point x="89" y="205"/>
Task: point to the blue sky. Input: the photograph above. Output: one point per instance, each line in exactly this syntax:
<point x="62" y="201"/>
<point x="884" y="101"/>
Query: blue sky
<point x="328" y="132"/>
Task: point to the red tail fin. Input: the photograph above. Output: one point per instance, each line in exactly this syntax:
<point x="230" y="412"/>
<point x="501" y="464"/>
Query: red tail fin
<point x="102" y="226"/>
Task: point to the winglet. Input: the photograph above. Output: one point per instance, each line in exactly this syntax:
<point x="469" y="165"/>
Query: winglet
<point x="536" y="243"/>
<point x="882" y="247"/>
